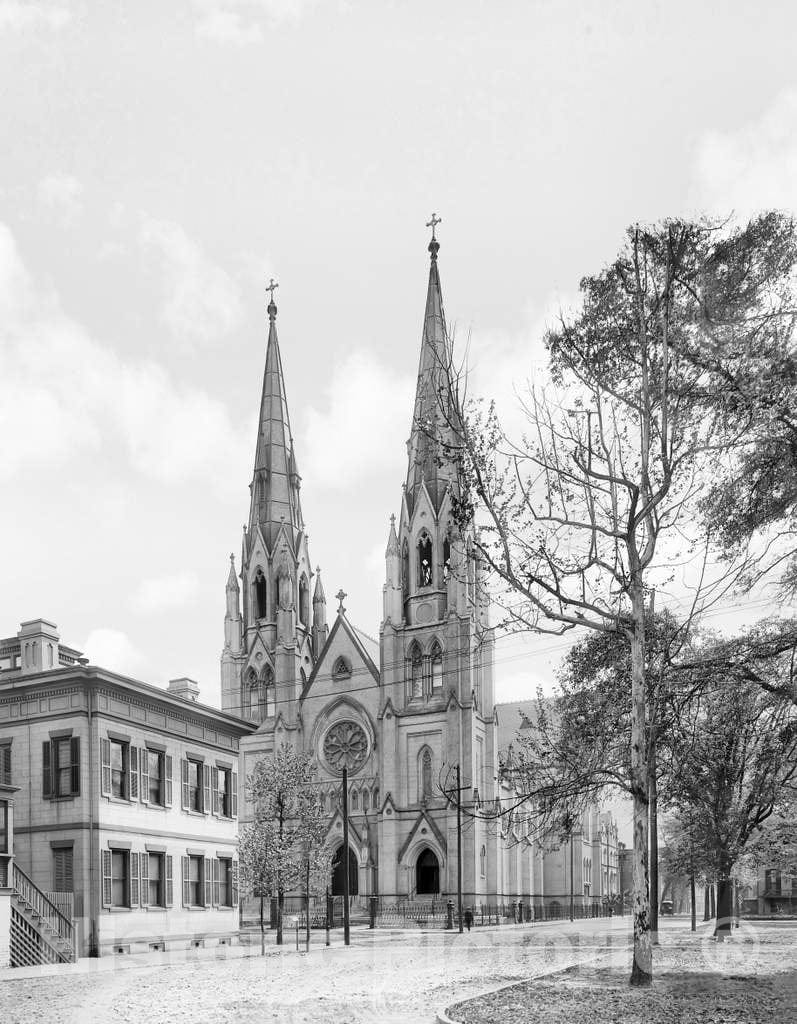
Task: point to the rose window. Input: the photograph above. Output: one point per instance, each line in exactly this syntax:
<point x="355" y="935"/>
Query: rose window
<point x="345" y="746"/>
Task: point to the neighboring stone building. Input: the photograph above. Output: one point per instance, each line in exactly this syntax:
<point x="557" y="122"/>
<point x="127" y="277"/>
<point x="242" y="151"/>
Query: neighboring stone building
<point x="400" y="712"/>
<point x="127" y="798"/>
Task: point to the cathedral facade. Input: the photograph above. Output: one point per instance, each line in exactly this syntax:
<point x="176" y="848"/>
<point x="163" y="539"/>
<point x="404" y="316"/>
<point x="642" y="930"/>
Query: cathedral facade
<point x="401" y="712"/>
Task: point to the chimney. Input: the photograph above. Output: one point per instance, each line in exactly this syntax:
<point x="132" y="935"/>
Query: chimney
<point x="186" y="688"/>
<point x="38" y="643"/>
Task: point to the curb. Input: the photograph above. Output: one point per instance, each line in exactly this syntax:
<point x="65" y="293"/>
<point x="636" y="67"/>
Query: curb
<point x="441" y="1017"/>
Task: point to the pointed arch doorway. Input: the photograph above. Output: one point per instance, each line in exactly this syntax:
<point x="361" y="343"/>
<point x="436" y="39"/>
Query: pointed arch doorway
<point x="427" y="874"/>
<point x="337" y="873"/>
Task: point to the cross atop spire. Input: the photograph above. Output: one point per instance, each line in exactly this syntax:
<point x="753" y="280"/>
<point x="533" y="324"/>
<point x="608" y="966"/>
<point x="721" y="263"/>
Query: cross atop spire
<point x="434" y="245"/>
<point x="272" y="307"/>
<point x="341" y="596"/>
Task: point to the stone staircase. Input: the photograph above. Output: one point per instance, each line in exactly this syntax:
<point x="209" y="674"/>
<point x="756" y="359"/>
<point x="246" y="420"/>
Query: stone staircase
<point x="40" y="932"/>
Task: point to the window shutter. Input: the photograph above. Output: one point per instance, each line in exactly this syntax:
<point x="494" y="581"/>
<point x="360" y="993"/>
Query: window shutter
<point x="208" y="880"/>
<point x="47" y="770"/>
<point x="74" y="751"/>
<point x="5" y="769"/>
<point x="145" y="880"/>
<point x="234" y="796"/>
<point x="206" y="788"/>
<point x="169" y="880"/>
<point x="184" y="773"/>
<point x="167" y="771"/>
<point x="216" y="876"/>
<point x="143" y="764"/>
<point x="186" y="890"/>
<point x="106" y="878"/>
<point x="235" y="883"/>
<point x="134" y="880"/>
<point x="214" y="786"/>
<point x="133" y="753"/>
<point x="105" y="770"/>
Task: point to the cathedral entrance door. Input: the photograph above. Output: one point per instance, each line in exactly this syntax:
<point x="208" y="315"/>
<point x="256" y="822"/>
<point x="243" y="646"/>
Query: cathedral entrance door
<point x="337" y="873"/>
<point x="427" y="874"/>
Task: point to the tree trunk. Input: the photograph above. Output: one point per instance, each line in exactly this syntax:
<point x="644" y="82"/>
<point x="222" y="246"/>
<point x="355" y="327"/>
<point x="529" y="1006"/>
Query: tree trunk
<point x="280" y="905"/>
<point x="712" y="903"/>
<point x="307" y="891"/>
<point x="642" y="969"/>
<point x="722" y="927"/>
<point x="706" y="904"/>
<point x="653" y="816"/>
<point x="692" y="890"/>
<point x="262" y="928"/>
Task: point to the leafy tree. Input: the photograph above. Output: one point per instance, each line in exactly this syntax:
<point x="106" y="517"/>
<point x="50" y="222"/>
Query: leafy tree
<point x="284" y="848"/>
<point x="738" y="756"/>
<point x="582" y="517"/>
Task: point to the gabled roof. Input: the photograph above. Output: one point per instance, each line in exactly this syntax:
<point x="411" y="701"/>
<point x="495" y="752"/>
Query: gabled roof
<point x="422" y="820"/>
<point x="362" y="642"/>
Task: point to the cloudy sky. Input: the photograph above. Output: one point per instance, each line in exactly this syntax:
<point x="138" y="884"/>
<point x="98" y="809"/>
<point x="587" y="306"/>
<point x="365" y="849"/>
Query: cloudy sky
<point x="162" y="160"/>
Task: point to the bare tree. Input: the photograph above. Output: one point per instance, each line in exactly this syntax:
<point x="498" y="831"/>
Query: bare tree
<point x="590" y="511"/>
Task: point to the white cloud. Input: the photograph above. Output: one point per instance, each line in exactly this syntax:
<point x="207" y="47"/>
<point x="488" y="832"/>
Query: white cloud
<point x="367" y="406"/>
<point x="65" y="393"/>
<point x="20" y="15"/>
<point x="165" y="593"/>
<point x="61" y="194"/>
<point x="753" y="168"/>
<point x="113" y="649"/>
<point x="202" y="302"/>
<point x="241" y="22"/>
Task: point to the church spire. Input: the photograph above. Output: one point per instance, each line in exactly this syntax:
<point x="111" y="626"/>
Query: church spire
<point x="429" y="446"/>
<point x="276" y="480"/>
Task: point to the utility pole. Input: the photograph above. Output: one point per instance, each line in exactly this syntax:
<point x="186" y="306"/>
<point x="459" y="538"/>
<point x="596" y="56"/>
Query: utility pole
<point x="571" y="870"/>
<point x="345" y="852"/>
<point x="459" y="851"/>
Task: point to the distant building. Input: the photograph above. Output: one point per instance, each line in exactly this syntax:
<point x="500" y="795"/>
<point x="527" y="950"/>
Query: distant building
<point x="126" y="807"/>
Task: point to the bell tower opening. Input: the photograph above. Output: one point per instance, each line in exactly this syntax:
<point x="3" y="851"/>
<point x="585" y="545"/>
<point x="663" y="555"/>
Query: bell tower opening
<point x="425" y="560"/>
<point x="261" y="595"/>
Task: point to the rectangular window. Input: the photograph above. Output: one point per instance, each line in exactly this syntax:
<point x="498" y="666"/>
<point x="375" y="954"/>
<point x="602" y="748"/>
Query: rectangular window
<point x="156" y="787"/>
<point x="193" y="881"/>
<point x="224" y="892"/>
<point x="197" y="791"/>
<point x="63" y="876"/>
<point x="155" y="879"/>
<point x="195" y="786"/>
<point x="5" y="764"/>
<point x="61" y="767"/>
<point x="225" y="792"/>
<point x="3" y="826"/>
<point x="120" y="753"/>
<point x="120" y="878"/>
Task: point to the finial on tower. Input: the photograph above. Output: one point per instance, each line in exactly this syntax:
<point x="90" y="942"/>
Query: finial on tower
<point x="272" y="307"/>
<point x="434" y="245"/>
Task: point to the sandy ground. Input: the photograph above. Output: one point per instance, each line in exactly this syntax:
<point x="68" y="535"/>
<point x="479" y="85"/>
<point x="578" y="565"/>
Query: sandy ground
<point x="383" y="976"/>
<point x="751" y="979"/>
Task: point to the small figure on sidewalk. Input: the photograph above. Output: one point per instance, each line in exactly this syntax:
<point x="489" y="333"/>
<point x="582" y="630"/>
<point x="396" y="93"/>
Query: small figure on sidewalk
<point x="468" y="919"/>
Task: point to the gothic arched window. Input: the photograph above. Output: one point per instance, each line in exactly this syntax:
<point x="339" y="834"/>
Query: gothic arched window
<point x="365" y="799"/>
<point x="264" y="694"/>
<point x="405" y="571"/>
<point x="261" y="594"/>
<point x="437" y="668"/>
<point x="376" y="798"/>
<point x="446" y="559"/>
<point x="426" y="775"/>
<point x="304" y="601"/>
<point x="416" y="672"/>
<point x="355" y="801"/>
<point x="483" y="862"/>
<point x="250" y="694"/>
<point x="425" y="560"/>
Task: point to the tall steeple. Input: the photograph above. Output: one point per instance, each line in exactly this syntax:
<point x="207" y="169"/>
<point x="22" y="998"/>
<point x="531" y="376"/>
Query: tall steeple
<point x="430" y="447"/>
<point x="267" y="669"/>
<point x="275" y="481"/>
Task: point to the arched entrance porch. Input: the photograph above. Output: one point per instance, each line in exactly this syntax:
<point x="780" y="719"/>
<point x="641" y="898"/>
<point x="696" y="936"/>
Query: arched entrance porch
<point x="337" y="873"/>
